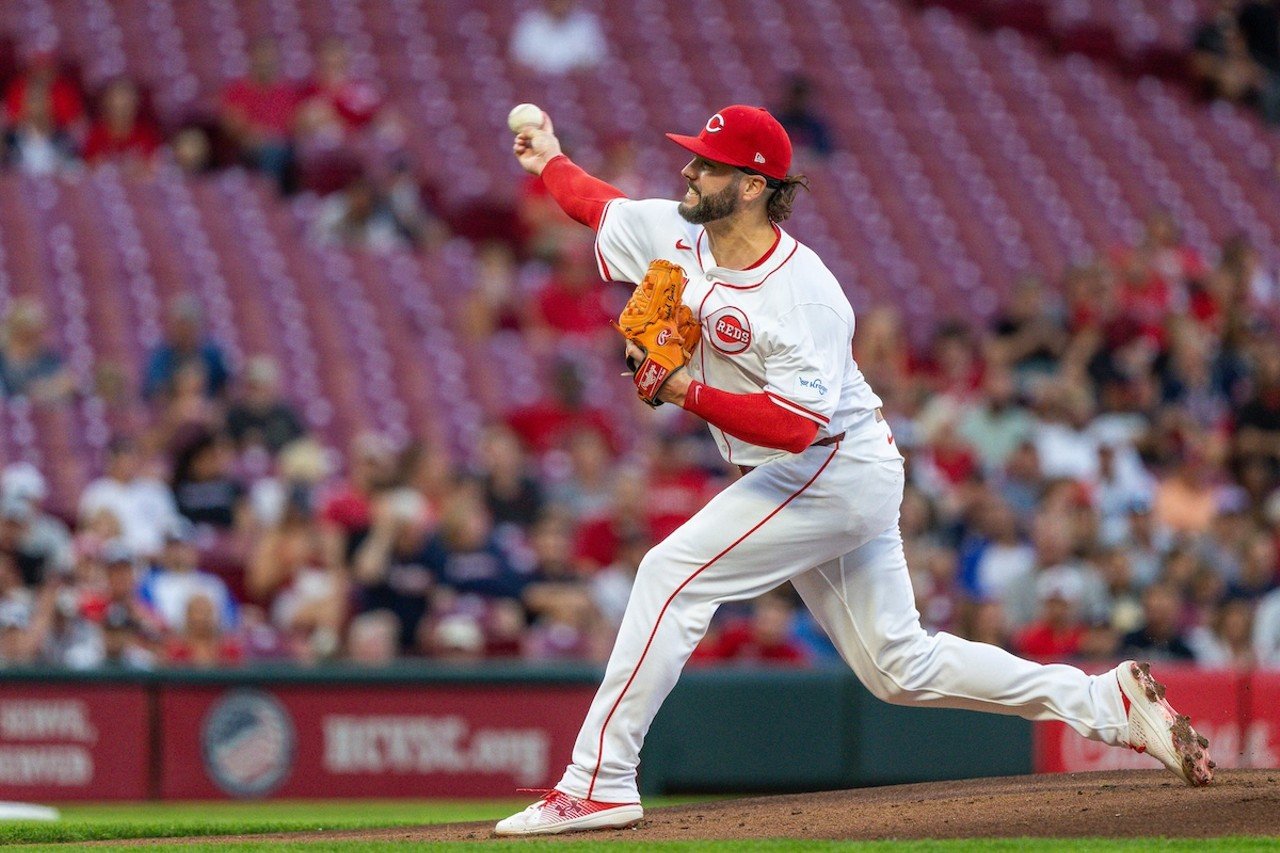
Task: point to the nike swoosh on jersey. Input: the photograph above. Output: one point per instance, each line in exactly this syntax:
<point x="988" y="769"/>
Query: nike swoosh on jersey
<point x="683" y="246"/>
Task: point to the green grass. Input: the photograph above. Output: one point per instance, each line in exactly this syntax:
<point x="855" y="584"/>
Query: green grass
<point x="157" y="820"/>
<point x="121" y="822"/>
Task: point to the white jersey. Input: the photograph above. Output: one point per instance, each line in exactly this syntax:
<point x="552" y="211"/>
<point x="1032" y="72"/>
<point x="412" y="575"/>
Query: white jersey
<point x="783" y="327"/>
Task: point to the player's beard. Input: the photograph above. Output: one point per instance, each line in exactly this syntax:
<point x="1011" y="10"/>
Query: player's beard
<point x="709" y="208"/>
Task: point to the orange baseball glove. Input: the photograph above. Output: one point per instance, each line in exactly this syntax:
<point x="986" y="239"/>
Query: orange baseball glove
<point x="662" y="327"/>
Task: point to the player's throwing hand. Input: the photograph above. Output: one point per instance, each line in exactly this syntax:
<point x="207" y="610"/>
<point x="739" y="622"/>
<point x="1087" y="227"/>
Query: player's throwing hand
<point x="536" y="146"/>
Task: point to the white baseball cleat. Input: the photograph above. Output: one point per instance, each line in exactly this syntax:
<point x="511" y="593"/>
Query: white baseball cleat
<point x="559" y="812"/>
<point x="1158" y="730"/>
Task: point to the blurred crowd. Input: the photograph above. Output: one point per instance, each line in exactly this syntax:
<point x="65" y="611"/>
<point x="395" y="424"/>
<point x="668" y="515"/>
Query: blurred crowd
<point x="1236" y="55"/>
<point x="1094" y="474"/>
<point x="331" y="133"/>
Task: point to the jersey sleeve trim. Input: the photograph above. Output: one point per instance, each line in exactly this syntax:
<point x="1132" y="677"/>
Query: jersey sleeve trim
<point x="603" y="265"/>
<point x="798" y="409"/>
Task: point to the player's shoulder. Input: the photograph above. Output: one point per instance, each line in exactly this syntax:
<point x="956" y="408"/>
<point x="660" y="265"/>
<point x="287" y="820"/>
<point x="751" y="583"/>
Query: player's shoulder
<point x="642" y="211"/>
<point x="809" y="281"/>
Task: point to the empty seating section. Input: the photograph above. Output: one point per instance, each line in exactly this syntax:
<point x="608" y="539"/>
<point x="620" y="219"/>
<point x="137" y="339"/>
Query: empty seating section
<point x="966" y="158"/>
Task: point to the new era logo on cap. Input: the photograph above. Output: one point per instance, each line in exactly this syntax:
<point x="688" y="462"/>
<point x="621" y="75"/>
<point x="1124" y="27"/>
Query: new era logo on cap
<point x="742" y="136"/>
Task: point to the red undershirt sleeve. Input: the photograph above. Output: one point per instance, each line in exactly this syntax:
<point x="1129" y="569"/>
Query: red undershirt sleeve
<point x="753" y="418"/>
<point x="578" y="194"/>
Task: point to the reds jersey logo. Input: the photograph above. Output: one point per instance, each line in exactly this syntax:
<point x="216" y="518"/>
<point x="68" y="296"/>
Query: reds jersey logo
<point x="715" y="124"/>
<point x="730" y="330"/>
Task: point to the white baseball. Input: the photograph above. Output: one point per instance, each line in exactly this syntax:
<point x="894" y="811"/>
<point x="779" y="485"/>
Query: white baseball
<point x="524" y="115"/>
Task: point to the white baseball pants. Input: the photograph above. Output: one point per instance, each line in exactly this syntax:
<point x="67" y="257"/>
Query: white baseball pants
<point x="827" y="520"/>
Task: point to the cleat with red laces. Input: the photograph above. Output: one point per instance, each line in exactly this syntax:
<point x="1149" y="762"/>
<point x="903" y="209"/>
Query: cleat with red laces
<point x="1158" y="730"/>
<point x="559" y="812"/>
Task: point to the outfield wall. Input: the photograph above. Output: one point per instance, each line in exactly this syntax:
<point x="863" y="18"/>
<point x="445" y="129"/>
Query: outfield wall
<point x="437" y="732"/>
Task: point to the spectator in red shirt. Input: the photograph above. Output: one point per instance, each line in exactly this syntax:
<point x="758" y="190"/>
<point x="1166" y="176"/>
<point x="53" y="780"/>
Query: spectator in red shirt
<point x="552" y="421"/>
<point x="346" y="515"/>
<point x="202" y="642"/>
<point x="1057" y="632"/>
<point x="599" y="540"/>
<point x="572" y="304"/>
<point x="337" y="101"/>
<point x="1156" y="276"/>
<point x="763" y="638"/>
<point x="1091" y="299"/>
<point x="258" y="114"/>
<point x="677" y="488"/>
<point x="956" y="368"/>
<point x="43" y="74"/>
<point x="120" y="133"/>
<point x="955" y="461"/>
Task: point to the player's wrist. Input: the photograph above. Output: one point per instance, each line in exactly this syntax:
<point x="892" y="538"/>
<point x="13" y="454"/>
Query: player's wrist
<point x="544" y="162"/>
<point x="676" y="389"/>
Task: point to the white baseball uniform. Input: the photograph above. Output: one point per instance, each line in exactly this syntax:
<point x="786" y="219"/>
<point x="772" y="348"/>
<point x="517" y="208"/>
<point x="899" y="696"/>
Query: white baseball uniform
<point x="826" y="518"/>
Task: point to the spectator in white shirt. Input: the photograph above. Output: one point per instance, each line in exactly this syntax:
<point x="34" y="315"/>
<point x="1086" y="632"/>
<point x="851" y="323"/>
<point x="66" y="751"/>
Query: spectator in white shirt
<point x="39" y="542"/>
<point x="1064" y="444"/>
<point x="177" y="578"/>
<point x="557" y="38"/>
<point x="144" y="506"/>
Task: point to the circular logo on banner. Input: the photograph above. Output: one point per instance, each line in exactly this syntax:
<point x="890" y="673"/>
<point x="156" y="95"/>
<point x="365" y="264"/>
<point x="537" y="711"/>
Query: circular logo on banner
<point x="247" y="741"/>
<point x="730" y="330"/>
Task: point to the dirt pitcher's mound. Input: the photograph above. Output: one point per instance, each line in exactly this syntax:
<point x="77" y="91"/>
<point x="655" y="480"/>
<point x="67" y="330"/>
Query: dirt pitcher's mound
<point x="1135" y="803"/>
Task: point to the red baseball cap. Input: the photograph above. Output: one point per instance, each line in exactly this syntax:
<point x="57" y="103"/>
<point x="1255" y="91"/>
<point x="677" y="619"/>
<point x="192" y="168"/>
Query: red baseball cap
<point x="745" y="137"/>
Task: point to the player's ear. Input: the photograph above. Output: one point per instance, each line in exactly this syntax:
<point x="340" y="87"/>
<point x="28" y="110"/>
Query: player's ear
<point x="753" y="188"/>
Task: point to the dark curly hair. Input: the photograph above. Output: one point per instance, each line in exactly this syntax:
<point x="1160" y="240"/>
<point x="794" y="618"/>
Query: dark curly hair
<point x="778" y="207"/>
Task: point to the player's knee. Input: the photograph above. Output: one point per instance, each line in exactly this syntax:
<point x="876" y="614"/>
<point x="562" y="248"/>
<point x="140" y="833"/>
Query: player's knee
<point x="658" y="570"/>
<point x="651" y="566"/>
<point x="900" y="670"/>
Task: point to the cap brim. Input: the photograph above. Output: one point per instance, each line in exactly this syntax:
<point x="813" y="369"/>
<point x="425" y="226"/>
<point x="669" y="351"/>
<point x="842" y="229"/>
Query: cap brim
<point x="697" y="146"/>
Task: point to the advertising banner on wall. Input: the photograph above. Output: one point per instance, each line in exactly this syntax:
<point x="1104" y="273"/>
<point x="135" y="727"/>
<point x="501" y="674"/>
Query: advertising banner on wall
<point x="74" y="742"/>
<point x="352" y="740"/>
<point x="1260" y="732"/>
<point x="1238" y="712"/>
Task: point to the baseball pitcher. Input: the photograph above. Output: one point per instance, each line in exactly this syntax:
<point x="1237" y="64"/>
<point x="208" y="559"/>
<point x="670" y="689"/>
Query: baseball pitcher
<point x="735" y="321"/>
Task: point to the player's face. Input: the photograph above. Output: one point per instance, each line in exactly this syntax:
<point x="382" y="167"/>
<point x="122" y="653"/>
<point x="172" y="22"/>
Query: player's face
<point x="713" y="191"/>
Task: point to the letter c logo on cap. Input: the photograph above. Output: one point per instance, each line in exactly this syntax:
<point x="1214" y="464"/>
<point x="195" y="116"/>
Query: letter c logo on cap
<point x="715" y="124"/>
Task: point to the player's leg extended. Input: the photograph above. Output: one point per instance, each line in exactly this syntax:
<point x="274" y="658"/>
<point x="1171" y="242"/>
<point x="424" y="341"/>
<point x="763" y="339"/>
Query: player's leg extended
<point x="779" y="520"/>
<point x="865" y="602"/>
